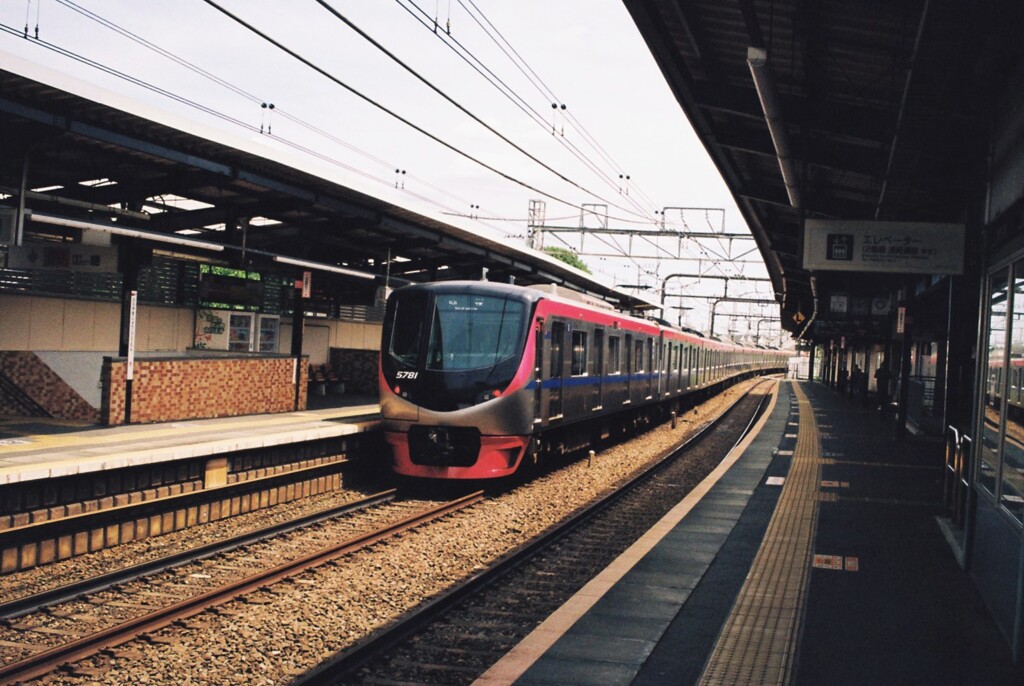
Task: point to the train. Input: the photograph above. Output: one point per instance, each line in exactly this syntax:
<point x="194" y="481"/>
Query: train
<point x="480" y="379"/>
<point x="1014" y="405"/>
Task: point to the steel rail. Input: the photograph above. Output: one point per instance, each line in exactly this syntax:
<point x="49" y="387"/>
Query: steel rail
<point x="20" y="606"/>
<point x="45" y="662"/>
<point x="389" y="636"/>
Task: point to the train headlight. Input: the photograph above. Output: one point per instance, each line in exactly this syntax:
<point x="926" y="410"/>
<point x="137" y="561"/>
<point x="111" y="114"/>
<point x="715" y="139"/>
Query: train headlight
<point x="486" y="395"/>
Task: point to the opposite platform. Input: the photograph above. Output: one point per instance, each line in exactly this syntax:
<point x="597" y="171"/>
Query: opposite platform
<point x="815" y="558"/>
<point x="53" y="450"/>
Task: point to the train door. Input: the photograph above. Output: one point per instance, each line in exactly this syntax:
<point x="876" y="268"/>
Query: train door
<point x="688" y="353"/>
<point x="651" y="368"/>
<point x="598" y="367"/>
<point x="576" y="396"/>
<point x="663" y="360"/>
<point x="557" y="359"/>
<point x="679" y="366"/>
<point x="638" y="369"/>
<point x="538" y="372"/>
<point x="629" y="368"/>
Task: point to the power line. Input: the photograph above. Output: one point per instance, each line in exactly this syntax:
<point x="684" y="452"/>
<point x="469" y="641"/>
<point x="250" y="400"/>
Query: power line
<point x="506" y="90"/>
<point x="113" y="26"/>
<point x="429" y="84"/>
<point x="540" y="85"/>
<point x="384" y="109"/>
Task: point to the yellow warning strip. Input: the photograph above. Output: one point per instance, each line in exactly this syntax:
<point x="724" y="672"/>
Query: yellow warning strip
<point x="758" y="642"/>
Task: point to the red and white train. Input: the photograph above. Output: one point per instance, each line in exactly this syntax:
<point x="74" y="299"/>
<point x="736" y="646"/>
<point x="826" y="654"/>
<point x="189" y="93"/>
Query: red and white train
<point x="478" y="378"/>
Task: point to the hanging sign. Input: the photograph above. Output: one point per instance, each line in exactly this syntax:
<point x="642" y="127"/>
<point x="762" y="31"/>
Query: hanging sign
<point x="307" y="284"/>
<point x="901" y="319"/>
<point x="892" y="247"/>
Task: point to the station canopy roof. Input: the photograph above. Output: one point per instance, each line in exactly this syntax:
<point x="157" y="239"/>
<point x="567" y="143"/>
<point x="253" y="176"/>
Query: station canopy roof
<point x="94" y="156"/>
<point x="875" y="111"/>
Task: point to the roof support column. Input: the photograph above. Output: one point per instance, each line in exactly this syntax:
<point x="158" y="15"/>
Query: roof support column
<point x="298" y="324"/>
<point x="131" y="257"/>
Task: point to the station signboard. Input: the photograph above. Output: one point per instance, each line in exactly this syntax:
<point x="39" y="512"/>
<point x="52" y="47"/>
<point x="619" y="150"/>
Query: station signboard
<point x="891" y="247"/>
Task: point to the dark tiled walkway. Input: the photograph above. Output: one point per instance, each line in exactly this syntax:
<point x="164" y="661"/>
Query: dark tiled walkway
<point x="880" y="598"/>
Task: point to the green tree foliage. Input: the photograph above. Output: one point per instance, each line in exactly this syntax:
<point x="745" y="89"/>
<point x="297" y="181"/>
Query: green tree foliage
<point x="569" y="257"/>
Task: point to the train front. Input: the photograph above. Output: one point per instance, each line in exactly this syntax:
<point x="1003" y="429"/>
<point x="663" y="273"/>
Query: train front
<point x="454" y="375"/>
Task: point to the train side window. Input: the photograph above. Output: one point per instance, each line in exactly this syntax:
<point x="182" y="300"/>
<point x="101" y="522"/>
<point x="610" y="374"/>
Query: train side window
<point x="557" y="344"/>
<point x="614" y="355"/>
<point x="579" y="353"/>
<point x="598" y="358"/>
<point x="638" y="356"/>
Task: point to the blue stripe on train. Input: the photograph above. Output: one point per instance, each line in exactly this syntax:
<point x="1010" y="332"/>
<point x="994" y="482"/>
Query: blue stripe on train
<point x="591" y="380"/>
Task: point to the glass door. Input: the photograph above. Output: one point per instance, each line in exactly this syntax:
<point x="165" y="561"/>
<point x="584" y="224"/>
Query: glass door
<point x="269" y="334"/>
<point x="1011" y="487"/>
<point x="240" y="332"/>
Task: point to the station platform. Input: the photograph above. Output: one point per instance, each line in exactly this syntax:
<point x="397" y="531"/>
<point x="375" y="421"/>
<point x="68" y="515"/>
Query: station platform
<point x="812" y="555"/>
<point x="33" y="449"/>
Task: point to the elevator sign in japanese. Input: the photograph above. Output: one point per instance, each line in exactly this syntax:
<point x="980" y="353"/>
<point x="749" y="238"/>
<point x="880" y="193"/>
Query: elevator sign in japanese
<point x="893" y="247"/>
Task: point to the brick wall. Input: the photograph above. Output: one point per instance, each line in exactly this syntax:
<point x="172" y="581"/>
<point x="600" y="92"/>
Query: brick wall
<point x="44" y="387"/>
<point x="197" y="388"/>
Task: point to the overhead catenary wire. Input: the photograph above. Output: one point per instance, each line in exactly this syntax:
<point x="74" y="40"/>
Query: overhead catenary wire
<point x="251" y="97"/>
<point x="254" y="99"/>
<point x="377" y="179"/>
<point x="131" y="79"/>
<point x="362" y="96"/>
<point x="453" y="44"/>
<point x="203" y="108"/>
<point x="517" y="59"/>
<point x="446" y="209"/>
<point x="429" y="84"/>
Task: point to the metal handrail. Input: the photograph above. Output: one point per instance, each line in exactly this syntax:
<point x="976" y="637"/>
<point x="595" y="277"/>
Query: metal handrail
<point x="949" y="475"/>
<point x="964" y="476"/>
<point x="956" y="474"/>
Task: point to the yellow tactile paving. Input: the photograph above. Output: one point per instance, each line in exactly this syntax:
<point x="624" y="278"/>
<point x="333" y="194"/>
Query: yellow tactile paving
<point x="759" y="640"/>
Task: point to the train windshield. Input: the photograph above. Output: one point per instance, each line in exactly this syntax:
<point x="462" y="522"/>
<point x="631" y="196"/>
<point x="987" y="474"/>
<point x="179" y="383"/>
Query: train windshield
<point x="473" y="331"/>
<point x="408" y="323"/>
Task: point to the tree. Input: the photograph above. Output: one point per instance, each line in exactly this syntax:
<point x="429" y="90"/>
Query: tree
<point x="567" y="256"/>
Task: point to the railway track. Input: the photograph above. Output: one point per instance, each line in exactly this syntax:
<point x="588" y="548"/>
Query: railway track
<point x="91" y="631"/>
<point x="455" y="637"/>
<point x="17" y="607"/>
<point x="281" y="631"/>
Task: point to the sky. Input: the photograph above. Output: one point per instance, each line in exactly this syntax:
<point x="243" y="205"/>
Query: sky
<point x="353" y="113"/>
